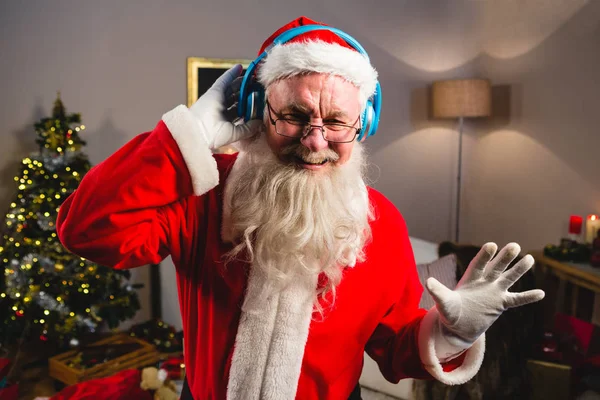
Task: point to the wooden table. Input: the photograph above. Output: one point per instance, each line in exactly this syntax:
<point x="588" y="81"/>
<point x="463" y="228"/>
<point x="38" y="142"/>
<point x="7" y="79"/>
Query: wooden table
<point x="568" y="273"/>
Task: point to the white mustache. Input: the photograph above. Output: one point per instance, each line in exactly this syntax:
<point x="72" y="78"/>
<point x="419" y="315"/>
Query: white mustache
<point x="310" y="156"/>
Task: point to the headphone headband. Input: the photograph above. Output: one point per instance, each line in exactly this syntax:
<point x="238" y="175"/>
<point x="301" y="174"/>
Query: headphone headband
<point x="299" y="30"/>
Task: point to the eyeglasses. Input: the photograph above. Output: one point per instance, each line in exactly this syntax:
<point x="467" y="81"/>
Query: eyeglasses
<point x="291" y="126"/>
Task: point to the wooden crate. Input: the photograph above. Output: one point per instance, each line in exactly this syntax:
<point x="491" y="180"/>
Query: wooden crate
<point x="144" y="356"/>
<point x="165" y="356"/>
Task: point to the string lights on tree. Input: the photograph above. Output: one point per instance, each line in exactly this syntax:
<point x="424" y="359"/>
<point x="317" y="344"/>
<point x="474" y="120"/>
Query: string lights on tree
<point x="46" y="291"/>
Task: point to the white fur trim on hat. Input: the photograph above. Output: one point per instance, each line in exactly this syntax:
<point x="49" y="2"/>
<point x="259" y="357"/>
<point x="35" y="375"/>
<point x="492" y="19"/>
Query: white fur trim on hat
<point x="287" y="60"/>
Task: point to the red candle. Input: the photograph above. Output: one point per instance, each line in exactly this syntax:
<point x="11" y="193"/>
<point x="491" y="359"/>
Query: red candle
<point x="575" y="224"/>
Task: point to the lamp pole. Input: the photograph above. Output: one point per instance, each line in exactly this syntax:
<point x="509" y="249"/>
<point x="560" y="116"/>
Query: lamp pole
<point x="461" y="98"/>
<point x="458" y="179"/>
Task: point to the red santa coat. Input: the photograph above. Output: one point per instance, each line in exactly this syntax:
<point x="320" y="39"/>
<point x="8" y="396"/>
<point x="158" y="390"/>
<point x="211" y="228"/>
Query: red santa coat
<point x="162" y="193"/>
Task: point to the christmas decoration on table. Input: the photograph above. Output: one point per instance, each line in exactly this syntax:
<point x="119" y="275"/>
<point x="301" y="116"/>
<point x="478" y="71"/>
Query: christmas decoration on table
<point x="46" y="292"/>
<point x="569" y="251"/>
<point x="165" y="337"/>
<point x="571" y="248"/>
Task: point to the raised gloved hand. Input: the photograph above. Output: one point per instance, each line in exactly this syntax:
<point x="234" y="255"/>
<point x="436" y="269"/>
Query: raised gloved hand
<point x="479" y="298"/>
<point x="210" y="112"/>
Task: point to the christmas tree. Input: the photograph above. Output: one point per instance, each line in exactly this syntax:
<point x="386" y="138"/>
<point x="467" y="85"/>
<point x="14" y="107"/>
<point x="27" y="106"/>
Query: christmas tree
<point x="48" y="292"/>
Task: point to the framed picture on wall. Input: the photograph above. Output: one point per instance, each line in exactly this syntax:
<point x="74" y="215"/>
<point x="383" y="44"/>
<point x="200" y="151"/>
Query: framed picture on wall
<point x="202" y="73"/>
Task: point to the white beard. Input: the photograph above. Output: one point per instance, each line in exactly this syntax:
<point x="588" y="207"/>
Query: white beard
<point x="292" y="223"/>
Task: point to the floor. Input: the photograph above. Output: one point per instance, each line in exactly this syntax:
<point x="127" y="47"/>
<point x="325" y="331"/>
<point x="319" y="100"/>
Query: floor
<point x="36" y="382"/>
<point x="368" y="394"/>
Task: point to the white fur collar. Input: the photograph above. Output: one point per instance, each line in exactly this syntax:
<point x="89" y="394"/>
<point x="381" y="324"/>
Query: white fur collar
<point x="269" y="346"/>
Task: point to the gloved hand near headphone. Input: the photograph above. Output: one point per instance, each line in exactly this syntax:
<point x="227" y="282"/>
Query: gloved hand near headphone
<point x="210" y="112"/>
<point x="480" y="297"/>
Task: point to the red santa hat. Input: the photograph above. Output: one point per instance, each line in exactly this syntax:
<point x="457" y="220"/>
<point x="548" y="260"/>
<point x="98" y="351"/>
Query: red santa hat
<point x="316" y="51"/>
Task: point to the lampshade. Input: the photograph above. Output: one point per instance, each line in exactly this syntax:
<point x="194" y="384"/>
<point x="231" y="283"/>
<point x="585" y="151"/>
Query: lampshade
<point x="462" y="98"/>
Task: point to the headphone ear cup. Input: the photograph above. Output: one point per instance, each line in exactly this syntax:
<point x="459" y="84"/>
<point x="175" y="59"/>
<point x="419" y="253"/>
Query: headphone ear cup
<point x="246" y="107"/>
<point x="255" y="104"/>
<point x="368" y="124"/>
<point x="372" y="127"/>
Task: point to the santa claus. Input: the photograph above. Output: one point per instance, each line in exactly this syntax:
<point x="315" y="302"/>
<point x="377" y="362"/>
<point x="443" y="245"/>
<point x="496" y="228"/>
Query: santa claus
<point x="288" y="265"/>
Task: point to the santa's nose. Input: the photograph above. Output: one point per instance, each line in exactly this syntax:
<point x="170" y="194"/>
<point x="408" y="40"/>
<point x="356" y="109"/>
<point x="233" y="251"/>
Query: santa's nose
<point x="314" y="140"/>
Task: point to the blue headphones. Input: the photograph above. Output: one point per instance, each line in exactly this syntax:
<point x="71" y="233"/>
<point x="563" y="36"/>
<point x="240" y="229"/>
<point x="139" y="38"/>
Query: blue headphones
<point x="252" y="94"/>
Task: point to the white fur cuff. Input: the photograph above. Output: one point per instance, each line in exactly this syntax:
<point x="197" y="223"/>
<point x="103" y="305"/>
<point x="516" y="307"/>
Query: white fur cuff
<point x="460" y="375"/>
<point x="198" y="157"/>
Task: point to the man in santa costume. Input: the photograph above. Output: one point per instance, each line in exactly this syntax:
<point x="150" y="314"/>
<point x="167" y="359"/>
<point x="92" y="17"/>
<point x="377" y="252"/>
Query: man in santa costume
<point x="288" y="266"/>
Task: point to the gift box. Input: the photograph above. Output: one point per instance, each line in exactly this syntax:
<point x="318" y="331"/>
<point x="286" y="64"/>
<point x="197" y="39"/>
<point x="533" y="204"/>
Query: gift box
<point x="571" y="348"/>
<point x="4" y="367"/>
<point x="8" y="390"/>
<point x="579" y="340"/>
<point x="549" y="380"/>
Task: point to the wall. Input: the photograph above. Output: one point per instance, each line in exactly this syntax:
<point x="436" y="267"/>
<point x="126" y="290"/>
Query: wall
<point x="539" y="164"/>
<point x="122" y="65"/>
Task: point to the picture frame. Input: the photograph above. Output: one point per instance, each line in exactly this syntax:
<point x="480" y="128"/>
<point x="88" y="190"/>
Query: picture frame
<point x="202" y="73"/>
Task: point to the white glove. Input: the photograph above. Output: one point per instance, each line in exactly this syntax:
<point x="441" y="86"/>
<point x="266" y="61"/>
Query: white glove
<point x="209" y="110"/>
<point x="479" y="299"/>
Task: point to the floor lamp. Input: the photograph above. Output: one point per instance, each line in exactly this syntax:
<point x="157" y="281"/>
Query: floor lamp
<point x="461" y="98"/>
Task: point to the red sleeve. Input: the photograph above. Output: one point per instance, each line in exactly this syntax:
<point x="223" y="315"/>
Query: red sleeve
<point x="394" y="344"/>
<point x="118" y="215"/>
